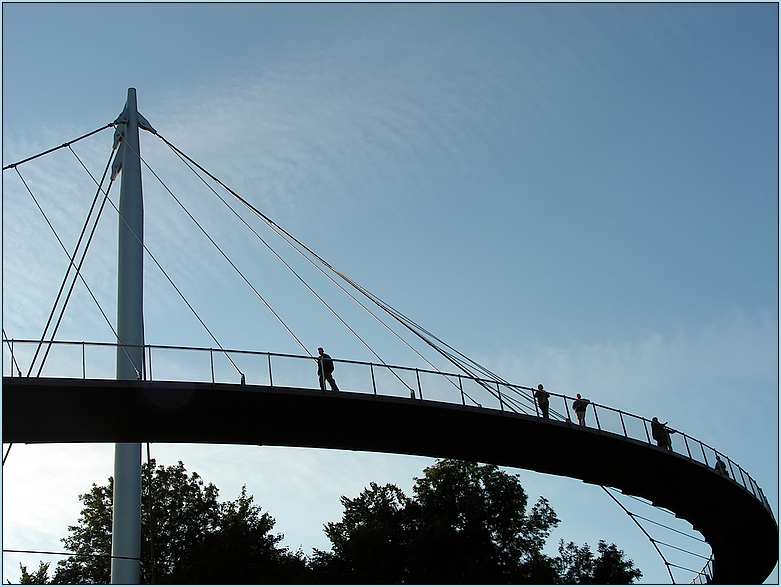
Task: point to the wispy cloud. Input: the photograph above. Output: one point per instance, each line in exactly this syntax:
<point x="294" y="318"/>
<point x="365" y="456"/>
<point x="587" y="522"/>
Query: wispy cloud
<point x="718" y="383"/>
<point x="304" y="139"/>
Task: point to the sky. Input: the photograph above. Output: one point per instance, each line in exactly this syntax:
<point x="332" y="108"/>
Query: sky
<point x="583" y="195"/>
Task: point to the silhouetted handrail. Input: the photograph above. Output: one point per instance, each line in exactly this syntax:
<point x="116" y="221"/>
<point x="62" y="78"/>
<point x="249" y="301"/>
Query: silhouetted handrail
<point x="517" y="399"/>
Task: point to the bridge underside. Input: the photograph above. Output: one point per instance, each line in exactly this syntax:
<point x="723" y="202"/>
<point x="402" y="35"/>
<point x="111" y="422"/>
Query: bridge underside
<point x="742" y="534"/>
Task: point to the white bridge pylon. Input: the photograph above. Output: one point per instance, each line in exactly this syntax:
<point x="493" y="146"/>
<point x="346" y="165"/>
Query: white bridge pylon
<point x="126" y="522"/>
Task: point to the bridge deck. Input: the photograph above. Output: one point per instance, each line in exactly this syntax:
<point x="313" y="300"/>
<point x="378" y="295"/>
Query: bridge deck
<point x="741" y="532"/>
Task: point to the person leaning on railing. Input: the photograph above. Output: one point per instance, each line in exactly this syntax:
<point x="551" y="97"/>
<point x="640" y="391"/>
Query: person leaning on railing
<point x="579" y="405"/>
<point x="661" y="434"/>
<point x="720" y="467"/>
<point x="542" y="400"/>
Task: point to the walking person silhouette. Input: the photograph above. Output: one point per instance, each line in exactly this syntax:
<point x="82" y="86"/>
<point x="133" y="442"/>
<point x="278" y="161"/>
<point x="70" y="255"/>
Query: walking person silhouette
<point x="325" y="370"/>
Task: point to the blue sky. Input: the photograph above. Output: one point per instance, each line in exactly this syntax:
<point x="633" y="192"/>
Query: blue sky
<point x="584" y="195"/>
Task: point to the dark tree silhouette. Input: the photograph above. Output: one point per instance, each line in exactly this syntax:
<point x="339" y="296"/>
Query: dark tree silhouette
<point x="197" y="539"/>
<point x="576" y="564"/>
<point x="370" y="543"/>
<point x="466" y="523"/>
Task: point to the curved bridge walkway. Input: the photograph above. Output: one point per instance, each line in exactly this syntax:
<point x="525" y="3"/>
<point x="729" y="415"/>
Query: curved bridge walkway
<point x="239" y="397"/>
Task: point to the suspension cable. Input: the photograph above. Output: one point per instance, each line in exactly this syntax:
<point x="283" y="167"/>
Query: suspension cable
<point x="671" y="529"/>
<point x="653" y="542"/>
<point x="168" y="277"/>
<point x="89" y="134"/>
<point x="702" y="556"/>
<point x="13" y="357"/>
<point x="77" y="269"/>
<point x="388" y="309"/>
<point x="71" y="258"/>
<point x="298" y="246"/>
<point x="410" y="325"/>
<point x="171" y="281"/>
<point x="100" y="212"/>
<point x="232" y="264"/>
<point x="301" y="279"/>
<point x="57" y="236"/>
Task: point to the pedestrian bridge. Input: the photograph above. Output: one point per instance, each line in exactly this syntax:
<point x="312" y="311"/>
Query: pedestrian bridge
<point x="196" y="395"/>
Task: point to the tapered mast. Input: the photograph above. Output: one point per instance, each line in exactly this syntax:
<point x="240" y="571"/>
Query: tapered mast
<point x="126" y="524"/>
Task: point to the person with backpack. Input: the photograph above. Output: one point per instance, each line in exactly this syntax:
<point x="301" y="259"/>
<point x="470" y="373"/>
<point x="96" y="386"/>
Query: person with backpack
<point x="325" y="370"/>
<point x="579" y="405"/>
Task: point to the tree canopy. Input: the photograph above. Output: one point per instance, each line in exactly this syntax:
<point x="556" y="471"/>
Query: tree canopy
<point x="464" y="523"/>
<point x="196" y="539"/>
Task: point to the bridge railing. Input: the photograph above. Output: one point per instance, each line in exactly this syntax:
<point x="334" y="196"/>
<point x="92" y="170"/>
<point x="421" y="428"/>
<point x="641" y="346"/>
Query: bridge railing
<point x="89" y="360"/>
<point x="638" y="428"/>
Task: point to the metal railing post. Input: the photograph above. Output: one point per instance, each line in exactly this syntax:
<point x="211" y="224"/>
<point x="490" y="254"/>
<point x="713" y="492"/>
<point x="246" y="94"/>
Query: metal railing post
<point x="420" y="390"/>
<point x="645" y="426"/>
<point x="151" y="378"/>
<point x="596" y="417"/>
<point x="83" y="360"/>
<point x="764" y="500"/>
<point x="623" y="426"/>
<point x="499" y="391"/>
<point x="729" y="462"/>
<point x="461" y="388"/>
<point x="749" y="485"/>
<point x="686" y="442"/>
<point x="754" y="487"/>
<point x="374" y="383"/>
<point x="270" y="379"/>
<point x="704" y="456"/>
<point x="566" y="407"/>
<point x="742" y="478"/>
<point x="211" y="362"/>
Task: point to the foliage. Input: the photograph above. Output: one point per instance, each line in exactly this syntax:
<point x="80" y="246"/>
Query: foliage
<point x="466" y="523"/>
<point x="576" y="564"/>
<point x="90" y="539"/>
<point x="369" y="544"/>
<point x="196" y="538"/>
<point x="39" y="577"/>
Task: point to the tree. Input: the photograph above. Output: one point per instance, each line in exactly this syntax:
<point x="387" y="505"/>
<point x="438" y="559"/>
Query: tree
<point x="576" y="564"/>
<point x="472" y="525"/>
<point x="369" y="544"/>
<point x="194" y="537"/>
<point x="241" y="550"/>
<point x="39" y="577"/>
<point x="466" y="523"/>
